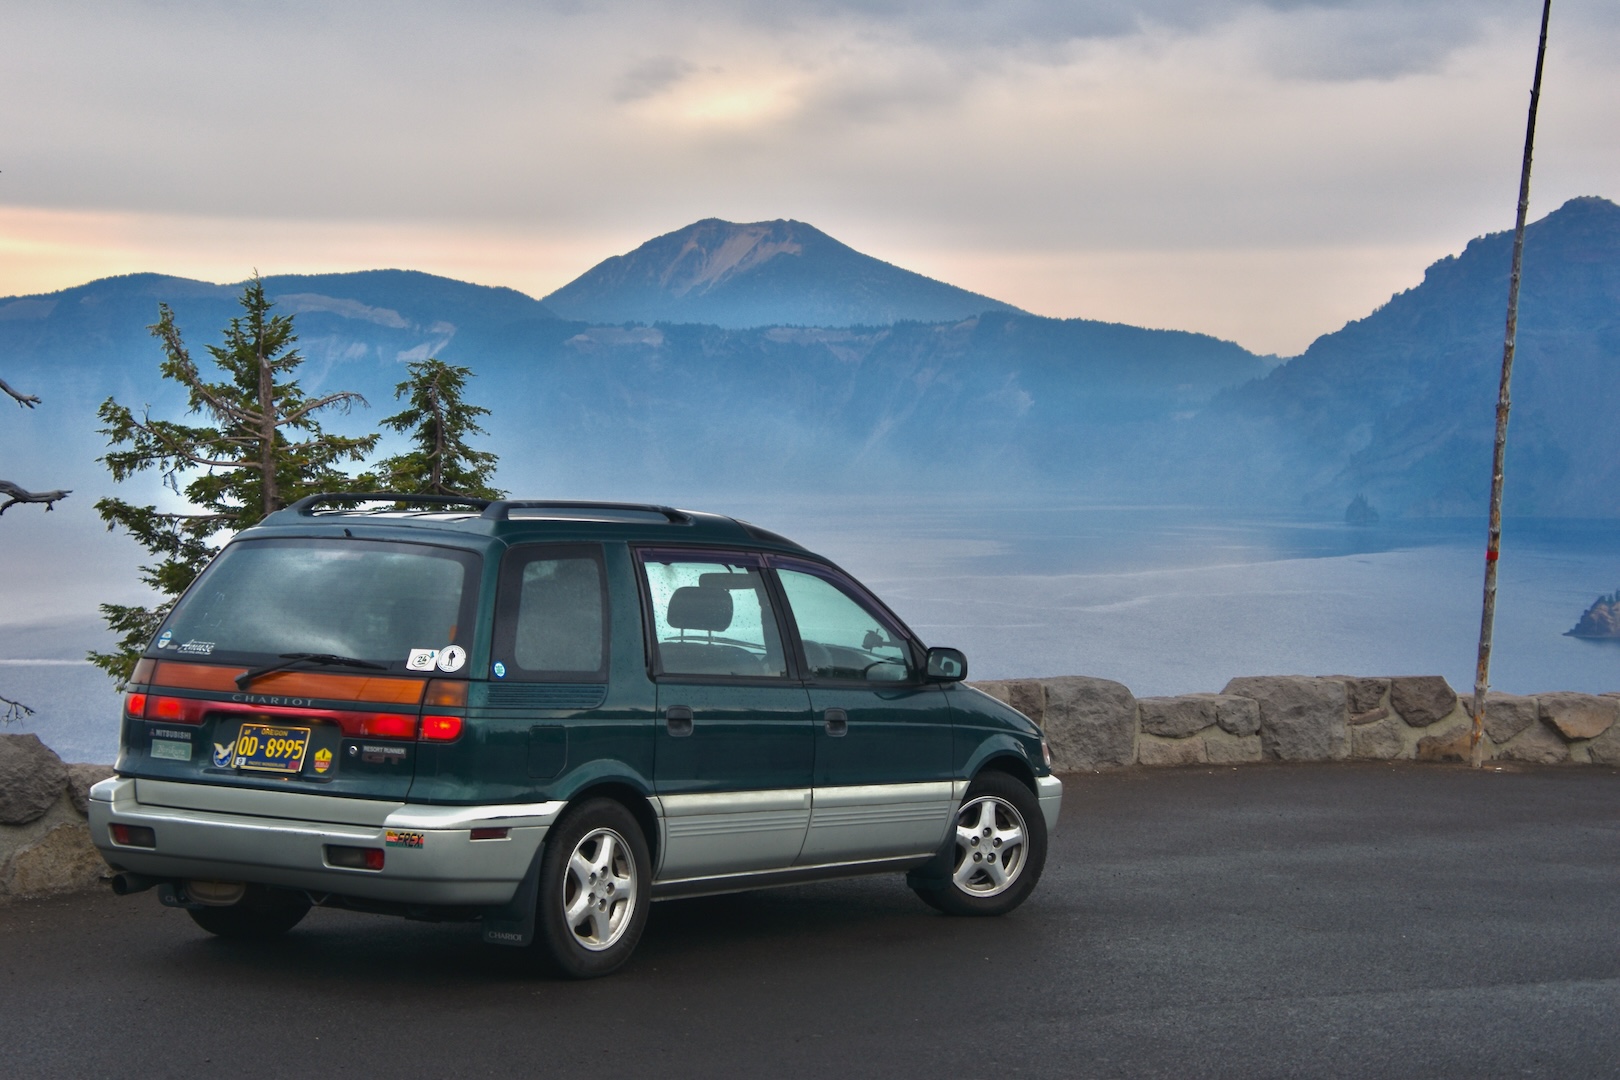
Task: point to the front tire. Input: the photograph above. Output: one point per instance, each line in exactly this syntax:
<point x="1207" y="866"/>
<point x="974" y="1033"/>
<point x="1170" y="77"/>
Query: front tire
<point x="261" y="914"/>
<point x="993" y="858"/>
<point x="595" y="884"/>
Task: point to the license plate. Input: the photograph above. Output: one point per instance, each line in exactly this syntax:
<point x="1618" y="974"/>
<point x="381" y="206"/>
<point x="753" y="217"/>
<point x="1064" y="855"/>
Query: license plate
<point x="267" y="748"/>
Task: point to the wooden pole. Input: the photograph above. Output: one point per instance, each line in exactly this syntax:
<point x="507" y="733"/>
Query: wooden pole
<point x="1493" y="542"/>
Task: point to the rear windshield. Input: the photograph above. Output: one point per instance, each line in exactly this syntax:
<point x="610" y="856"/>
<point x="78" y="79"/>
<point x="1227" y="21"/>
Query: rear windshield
<point x="385" y="603"/>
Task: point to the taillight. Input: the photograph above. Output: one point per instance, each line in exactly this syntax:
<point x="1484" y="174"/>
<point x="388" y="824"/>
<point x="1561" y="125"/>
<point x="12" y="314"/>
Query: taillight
<point x="443" y="693"/>
<point x="388" y="725"/>
<point x="441" y="728"/>
<point x="170" y="710"/>
<point x="1046" y="753"/>
<point x="490" y="832"/>
<point x="135" y="705"/>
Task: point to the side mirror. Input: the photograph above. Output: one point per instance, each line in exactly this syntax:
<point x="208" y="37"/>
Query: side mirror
<point x="947" y="665"/>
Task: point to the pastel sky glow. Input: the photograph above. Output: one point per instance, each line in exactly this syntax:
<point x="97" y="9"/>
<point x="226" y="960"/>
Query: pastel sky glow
<point x="1262" y="171"/>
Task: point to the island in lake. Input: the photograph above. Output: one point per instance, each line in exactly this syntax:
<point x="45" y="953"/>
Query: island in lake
<point x="1602" y="619"/>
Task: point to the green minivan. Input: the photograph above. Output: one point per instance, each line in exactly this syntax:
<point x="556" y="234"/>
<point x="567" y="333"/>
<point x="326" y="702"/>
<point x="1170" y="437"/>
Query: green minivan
<point x="543" y="716"/>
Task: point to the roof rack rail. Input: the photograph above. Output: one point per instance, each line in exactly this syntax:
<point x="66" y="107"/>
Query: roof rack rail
<point x="308" y="503"/>
<point x="502" y="509"/>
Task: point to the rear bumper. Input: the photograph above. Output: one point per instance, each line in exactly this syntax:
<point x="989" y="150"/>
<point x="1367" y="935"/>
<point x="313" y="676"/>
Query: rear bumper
<point x="275" y="838"/>
<point x="1049" y="790"/>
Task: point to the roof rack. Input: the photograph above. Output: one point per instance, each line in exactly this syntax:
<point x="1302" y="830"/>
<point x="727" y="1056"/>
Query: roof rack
<point x="501" y="510"/>
<point x="307" y="505"/>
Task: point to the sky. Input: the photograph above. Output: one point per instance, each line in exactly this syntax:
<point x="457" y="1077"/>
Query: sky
<point x="1261" y="171"/>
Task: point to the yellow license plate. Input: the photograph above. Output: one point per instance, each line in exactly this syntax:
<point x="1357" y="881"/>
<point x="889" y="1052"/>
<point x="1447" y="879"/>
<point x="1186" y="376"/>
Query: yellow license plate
<point x="267" y="748"/>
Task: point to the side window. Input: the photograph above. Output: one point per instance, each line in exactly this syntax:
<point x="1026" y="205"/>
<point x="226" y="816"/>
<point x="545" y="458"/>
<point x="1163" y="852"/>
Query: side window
<point x="711" y="615"/>
<point x="843" y="639"/>
<point x="551" y="617"/>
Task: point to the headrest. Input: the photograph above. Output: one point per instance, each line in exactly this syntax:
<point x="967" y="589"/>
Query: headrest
<point x="696" y="608"/>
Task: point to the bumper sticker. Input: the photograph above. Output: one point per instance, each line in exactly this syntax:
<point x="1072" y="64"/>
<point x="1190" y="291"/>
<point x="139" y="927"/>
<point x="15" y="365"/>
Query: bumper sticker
<point x="171" y="750"/>
<point x="323" y="760"/>
<point x="398" y="838"/>
<point x="223" y="752"/>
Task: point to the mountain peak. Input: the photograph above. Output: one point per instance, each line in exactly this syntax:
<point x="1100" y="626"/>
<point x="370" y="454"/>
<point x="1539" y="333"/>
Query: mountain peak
<point x="760" y="273"/>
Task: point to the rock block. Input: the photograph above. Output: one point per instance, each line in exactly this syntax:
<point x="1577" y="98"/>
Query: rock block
<point x="31" y="778"/>
<point x="1538" y="743"/>
<point x="1090" y="723"/>
<point x="1365" y="694"/>
<point x="1156" y="751"/>
<point x="60" y="861"/>
<point x="1579" y="716"/>
<point x="81" y="778"/>
<point x="1605" y="749"/>
<point x="1452" y="744"/>
<point x="1243" y="750"/>
<point x="1508" y="714"/>
<point x="1384" y="740"/>
<point x="1176" y="717"/>
<point x="1301" y="718"/>
<point x="1237" y="715"/>
<point x="1422" y="699"/>
<point x="1028" y="696"/>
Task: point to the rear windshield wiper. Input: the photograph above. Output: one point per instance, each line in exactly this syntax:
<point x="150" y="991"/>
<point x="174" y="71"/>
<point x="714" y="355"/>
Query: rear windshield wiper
<point x="288" y="659"/>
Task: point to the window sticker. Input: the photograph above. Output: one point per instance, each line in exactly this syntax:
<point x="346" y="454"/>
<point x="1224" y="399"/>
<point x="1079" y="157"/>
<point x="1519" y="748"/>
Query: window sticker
<point x="451" y="657"/>
<point x="165" y="639"/>
<point x="500" y="670"/>
<point x="422" y="659"/>
<point x="198" y="648"/>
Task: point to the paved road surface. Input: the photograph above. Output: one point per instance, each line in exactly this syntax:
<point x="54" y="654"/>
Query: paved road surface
<point x="1348" y="920"/>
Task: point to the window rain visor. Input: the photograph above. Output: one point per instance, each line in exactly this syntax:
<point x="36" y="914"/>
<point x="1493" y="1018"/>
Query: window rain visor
<point x="368" y="600"/>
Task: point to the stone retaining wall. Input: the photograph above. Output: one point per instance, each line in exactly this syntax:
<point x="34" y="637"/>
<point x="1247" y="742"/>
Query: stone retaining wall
<point x="1090" y="724"/>
<point x="44" y="838"/>
<point x="1095" y="724"/>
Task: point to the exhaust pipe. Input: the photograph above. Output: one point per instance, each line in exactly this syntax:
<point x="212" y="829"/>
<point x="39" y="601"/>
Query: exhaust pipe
<point x="125" y="884"/>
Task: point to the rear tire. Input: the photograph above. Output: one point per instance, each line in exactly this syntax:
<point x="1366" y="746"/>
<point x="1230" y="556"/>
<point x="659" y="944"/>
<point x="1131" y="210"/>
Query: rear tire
<point x="595" y="886"/>
<point x="994" y="855"/>
<point x="261" y="914"/>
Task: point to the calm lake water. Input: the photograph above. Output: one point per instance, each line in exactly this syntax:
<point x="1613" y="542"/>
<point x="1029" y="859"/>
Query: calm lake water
<point x="1166" y="600"/>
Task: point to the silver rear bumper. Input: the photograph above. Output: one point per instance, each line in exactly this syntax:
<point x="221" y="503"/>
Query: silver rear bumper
<point x="281" y="838"/>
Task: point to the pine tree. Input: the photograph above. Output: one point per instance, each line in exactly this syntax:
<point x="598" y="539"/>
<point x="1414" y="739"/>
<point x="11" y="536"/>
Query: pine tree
<point x="439" y="423"/>
<point x="261" y="449"/>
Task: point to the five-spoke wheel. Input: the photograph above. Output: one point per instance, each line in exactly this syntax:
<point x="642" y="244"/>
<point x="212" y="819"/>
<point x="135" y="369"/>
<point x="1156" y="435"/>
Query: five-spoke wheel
<point x="993" y="857"/>
<point x="594" y="888"/>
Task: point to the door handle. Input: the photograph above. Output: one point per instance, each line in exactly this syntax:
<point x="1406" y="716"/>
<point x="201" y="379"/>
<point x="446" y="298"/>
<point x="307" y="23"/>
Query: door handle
<point x="678" y="718"/>
<point x="837" y="722"/>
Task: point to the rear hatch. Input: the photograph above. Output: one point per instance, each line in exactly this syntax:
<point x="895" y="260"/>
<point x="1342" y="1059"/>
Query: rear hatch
<point x="314" y="664"/>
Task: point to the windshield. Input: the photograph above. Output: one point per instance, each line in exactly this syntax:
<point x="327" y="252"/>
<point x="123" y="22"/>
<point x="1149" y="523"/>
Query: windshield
<point x="385" y="603"/>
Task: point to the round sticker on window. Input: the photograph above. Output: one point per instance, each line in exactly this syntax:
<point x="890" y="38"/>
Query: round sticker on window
<point x="451" y="657"/>
<point x="500" y="670"/>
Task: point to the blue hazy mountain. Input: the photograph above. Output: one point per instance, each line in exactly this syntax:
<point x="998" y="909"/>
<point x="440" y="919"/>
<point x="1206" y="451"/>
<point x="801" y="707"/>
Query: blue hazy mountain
<point x="988" y="401"/>
<point x="766" y="273"/>
<point x="1401" y="405"/>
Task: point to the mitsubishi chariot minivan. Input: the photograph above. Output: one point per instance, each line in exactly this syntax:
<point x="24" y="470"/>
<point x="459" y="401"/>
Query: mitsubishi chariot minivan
<point x="543" y="716"/>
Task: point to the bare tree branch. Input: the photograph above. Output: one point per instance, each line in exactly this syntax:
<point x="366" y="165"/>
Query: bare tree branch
<point x="15" y="495"/>
<point x="27" y="401"/>
<point x="15" y="710"/>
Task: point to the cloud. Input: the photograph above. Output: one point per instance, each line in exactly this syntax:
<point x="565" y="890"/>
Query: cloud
<point x="651" y="76"/>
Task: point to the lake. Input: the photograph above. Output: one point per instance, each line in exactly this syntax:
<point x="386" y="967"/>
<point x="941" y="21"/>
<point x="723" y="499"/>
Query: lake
<point x="1166" y="600"/>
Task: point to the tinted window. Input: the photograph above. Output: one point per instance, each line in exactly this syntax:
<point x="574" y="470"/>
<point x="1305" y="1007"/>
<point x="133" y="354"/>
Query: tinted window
<point x="712" y="616"/>
<point x="552" y="617"/>
<point x="843" y="638"/>
<point x="369" y="600"/>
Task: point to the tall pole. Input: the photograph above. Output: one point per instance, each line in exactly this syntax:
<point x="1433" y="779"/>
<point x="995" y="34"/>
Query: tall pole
<point x="1493" y="542"/>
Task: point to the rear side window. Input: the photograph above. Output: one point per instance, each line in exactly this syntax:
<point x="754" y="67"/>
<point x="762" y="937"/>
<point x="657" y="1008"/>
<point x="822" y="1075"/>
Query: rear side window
<point x="712" y="616"/>
<point x="551" y="618"/>
<point x="370" y="600"/>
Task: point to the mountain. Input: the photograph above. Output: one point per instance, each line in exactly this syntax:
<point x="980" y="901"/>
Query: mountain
<point x="1401" y="405"/>
<point x="768" y="273"/>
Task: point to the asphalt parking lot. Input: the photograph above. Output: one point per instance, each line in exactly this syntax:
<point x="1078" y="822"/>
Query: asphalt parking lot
<point x="1288" y="921"/>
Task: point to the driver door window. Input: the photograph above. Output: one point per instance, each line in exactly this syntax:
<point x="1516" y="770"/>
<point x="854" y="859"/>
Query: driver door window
<point x="842" y="639"/>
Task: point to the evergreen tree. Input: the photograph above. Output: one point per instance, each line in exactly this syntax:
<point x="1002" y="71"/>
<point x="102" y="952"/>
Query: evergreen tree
<point x="261" y="449"/>
<point x="439" y="423"/>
